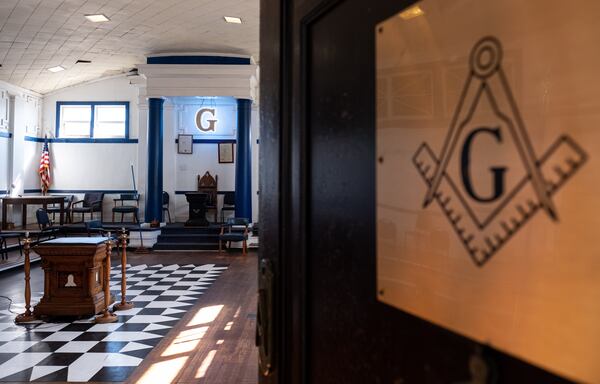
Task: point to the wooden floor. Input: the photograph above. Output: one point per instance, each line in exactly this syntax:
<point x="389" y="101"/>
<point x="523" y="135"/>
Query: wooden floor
<point x="222" y="325"/>
<point x="214" y="342"/>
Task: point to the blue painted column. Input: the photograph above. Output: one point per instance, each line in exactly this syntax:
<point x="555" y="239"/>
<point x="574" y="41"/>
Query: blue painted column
<point x="154" y="186"/>
<point x="243" y="161"/>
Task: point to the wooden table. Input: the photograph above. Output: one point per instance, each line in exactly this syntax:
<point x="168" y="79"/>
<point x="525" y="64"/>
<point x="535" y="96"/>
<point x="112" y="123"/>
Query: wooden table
<point x="73" y="276"/>
<point x="32" y="200"/>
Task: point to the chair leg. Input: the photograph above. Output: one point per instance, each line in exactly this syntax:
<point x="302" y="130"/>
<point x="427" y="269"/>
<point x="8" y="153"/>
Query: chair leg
<point x="113" y="217"/>
<point x="220" y="246"/>
<point x="244" y="248"/>
<point x="122" y="215"/>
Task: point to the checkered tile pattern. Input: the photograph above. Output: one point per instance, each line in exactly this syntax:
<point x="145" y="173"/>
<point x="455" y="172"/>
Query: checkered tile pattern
<point x="83" y="351"/>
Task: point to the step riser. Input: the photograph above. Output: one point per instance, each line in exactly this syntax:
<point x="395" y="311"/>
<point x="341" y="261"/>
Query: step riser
<point x="191" y="232"/>
<point x="187" y="239"/>
<point x="186" y="247"/>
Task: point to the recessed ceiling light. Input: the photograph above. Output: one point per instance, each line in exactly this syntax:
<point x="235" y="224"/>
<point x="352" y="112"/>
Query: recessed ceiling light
<point x="97" y="18"/>
<point x="411" y="12"/>
<point x="58" y="68"/>
<point x="234" y="20"/>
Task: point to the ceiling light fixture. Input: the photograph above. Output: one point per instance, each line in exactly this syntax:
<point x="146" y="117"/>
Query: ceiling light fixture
<point x="411" y="12"/>
<point x="83" y="62"/>
<point x="97" y="18"/>
<point x="58" y="68"/>
<point x="232" y="19"/>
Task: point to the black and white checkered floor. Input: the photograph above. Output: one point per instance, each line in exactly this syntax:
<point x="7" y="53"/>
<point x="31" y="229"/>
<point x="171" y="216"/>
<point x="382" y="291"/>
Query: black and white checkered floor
<point x="84" y="351"/>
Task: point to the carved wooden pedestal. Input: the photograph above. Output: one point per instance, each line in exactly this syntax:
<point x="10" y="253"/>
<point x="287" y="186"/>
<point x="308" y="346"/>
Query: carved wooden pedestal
<point x="74" y="276"/>
<point x="197" y="202"/>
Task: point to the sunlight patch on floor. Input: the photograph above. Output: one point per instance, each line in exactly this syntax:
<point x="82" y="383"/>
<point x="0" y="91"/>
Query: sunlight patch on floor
<point x="205" y="364"/>
<point x="163" y="372"/>
<point x="185" y="341"/>
<point x="205" y="315"/>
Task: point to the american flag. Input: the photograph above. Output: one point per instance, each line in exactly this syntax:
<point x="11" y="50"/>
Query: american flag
<point x="44" y="170"/>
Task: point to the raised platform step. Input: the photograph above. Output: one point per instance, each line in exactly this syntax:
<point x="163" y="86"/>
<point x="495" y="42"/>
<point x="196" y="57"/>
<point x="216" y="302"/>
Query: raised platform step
<point x="174" y="229"/>
<point x="163" y="246"/>
<point x="178" y="237"/>
<point x="188" y="238"/>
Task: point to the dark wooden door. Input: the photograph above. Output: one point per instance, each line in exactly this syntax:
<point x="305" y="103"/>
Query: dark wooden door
<point x="318" y="212"/>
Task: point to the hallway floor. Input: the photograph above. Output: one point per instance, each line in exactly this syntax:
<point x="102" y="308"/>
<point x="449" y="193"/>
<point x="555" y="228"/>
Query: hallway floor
<point x="207" y="337"/>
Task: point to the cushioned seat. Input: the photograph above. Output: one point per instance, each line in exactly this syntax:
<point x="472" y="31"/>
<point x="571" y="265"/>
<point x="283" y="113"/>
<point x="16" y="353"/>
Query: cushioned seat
<point x="239" y="236"/>
<point x="47" y="227"/>
<point x="125" y="209"/>
<point x="237" y="230"/>
<point x="92" y="202"/>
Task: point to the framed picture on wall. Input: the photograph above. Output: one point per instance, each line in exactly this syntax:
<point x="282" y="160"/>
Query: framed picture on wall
<point x="185" y="144"/>
<point x="225" y="152"/>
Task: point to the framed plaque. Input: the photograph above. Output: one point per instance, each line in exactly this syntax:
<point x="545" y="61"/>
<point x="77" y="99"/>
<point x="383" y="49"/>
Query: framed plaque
<point x="225" y="152"/>
<point x="487" y="158"/>
<point x="185" y="144"/>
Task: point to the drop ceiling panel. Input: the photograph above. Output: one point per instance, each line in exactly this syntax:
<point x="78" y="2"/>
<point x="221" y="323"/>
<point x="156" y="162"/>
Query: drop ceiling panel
<point x="38" y="34"/>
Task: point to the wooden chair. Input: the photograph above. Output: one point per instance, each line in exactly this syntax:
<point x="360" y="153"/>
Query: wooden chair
<point x="94" y="228"/>
<point x="234" y="234"/>
<point x="208" y="184"/>
<point x="54" y="209"/>
<point x="126" y="209"/>
<point x="92" y="202"/>
<point x="228" y="204"/>
<point x="165" y="205"/>
<point x="4" y="244"/>
<point x="46" y="226"/>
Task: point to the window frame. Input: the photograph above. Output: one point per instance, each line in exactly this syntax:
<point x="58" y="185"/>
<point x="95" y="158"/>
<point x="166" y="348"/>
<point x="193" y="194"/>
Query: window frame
<point x="92" y="105"/>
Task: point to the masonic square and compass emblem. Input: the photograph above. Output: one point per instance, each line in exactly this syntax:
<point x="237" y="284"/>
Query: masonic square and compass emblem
<point x="485" y="201"/>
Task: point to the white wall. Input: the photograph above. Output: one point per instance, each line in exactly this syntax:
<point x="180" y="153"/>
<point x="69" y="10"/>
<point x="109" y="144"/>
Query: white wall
<point x="4" y="162"/>
<point x="110" y="89"/>
<point x="183" y="170"/>
<point x="24" y="111"/>
<point x="94" y="166"/>
<point x="91" y="166"/>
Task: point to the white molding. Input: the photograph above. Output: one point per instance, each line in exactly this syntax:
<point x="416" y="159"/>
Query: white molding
<point x="163" y="54"/>
<point x="167" y="80"/>
<point x="15" y="90"/>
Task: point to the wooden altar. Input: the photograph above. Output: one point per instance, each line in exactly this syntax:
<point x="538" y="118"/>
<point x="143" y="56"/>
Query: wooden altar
<point x="73" y="276"/>
<point x="197" y="212"/>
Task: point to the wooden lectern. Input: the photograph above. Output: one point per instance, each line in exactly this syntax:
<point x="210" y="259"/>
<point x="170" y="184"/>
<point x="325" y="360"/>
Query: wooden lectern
<point x="74" y="276"/>
<point x="197" y="215"/>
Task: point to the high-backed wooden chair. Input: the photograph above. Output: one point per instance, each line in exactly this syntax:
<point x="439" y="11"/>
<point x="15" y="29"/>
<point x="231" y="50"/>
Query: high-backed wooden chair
<point x="208" y="184"/>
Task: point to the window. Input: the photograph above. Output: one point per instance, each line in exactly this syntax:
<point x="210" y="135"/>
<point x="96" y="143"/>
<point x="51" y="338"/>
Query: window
<point x="93" y="120"/>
